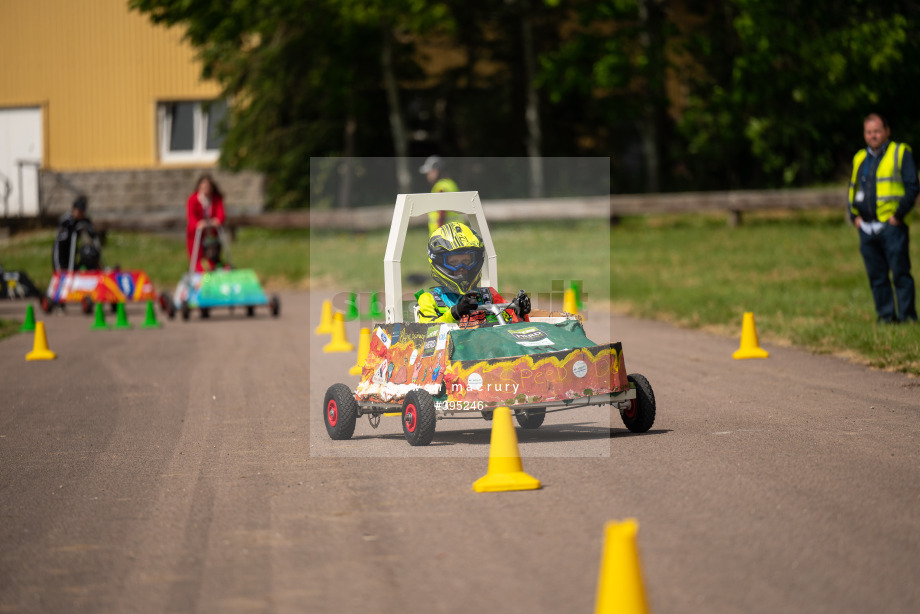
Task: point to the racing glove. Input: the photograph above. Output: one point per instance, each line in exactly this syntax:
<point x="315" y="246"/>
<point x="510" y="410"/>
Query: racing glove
<point x="523" y="304"/>
<point x="467" y="303"/>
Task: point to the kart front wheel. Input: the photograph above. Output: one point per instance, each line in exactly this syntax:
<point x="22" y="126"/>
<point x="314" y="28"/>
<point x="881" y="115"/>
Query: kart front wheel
<point x="186" y="310"/>
<point x="275" y="306"/>
<point x="87" y="305"/>
<point x="47" y="304"/>
<point x="640" y="415"/>
<point x="531" y="420"/>
<point x="340" y="412"/>
<point x="418" y="418"/>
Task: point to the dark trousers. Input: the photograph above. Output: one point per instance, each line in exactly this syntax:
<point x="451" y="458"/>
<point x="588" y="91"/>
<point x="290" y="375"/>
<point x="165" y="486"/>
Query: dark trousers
<point x="889" y="251"/>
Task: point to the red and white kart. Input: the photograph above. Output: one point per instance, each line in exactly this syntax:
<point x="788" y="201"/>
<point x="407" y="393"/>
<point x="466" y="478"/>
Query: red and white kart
<point x="430" y="372"/>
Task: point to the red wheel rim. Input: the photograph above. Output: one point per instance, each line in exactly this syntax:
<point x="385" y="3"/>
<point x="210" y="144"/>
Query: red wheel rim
<point x="332" y="413"/>
<point x="410" y="417"/>
<point x="630" y="412"/>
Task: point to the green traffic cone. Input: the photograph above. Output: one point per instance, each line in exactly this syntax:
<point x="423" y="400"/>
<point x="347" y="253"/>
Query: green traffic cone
<point x="100" y="324"/>
<point x="576" y="288"/>
<point x="151" y="320"/>
<point x="374" y="311"/>
<point x="351" y="308"/>
<point x="121" y="321"/>
<point x="29" y="324"/>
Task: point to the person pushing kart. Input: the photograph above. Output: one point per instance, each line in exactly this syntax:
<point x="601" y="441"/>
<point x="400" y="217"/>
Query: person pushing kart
<point x="455" y="256"/>
<point x="76" y="226"/>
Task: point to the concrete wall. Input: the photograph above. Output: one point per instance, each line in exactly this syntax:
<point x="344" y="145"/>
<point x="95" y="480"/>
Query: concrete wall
<point x="143" y="191"/>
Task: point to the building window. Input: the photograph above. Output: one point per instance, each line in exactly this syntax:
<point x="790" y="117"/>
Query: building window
<point x="190" y="131"/>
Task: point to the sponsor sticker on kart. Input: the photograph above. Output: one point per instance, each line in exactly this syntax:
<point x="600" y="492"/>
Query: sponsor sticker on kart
<point x="380" y="375"/>
<point x="530" y="337"/>
<point x="580" y="369"/>
<point x="384" y="338"/>
<point x="474" y="382"/>
<point x="431" y="341"/>
<point x="442" y="337"/>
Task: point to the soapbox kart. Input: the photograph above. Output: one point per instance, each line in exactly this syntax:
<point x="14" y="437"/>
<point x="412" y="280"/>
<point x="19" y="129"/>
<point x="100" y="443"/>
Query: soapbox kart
<point x="95" y="285"/>
<point x="222" y="287"/>
<point x="429" y="372"/>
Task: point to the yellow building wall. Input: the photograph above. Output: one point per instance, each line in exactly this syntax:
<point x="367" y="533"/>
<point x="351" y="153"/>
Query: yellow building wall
<point x="97" y="70"/>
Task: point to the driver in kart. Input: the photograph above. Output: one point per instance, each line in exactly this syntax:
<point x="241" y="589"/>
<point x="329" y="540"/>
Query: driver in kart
<point x="455" y="255"/>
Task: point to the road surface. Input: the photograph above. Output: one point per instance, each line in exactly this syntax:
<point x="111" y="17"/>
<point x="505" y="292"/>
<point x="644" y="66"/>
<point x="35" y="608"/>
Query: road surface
<point x="187" y="469"/>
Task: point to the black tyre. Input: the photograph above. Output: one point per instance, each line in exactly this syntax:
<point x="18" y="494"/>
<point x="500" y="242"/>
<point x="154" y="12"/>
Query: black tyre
<point x="205" y="313"/>
<point x="275" y="305"/>
<point x="250" y="311"/>
<point x="418" y="417"/>
<point x="47" y="304"/>
<point x="113" y="307"/>
<point x="186" y="310"/>
<point x="487" y="414"/>
<point x="165" y="302"/>
<point x="87" y="305"/>
<point x="640" y="415"/>
<point x="340" y="412"/>
<point x="170" y="310"/>
<point x="531" y="420"/>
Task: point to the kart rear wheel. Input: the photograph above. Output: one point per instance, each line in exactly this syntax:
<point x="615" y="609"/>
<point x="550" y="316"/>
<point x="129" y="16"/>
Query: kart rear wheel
<point x="186" y="310"/>
<point x="487" y="414"/>
<point x="418" y="418"/>
<point x="250" y="311"/>
<point x="87" y="305"/>
<point x="47" y="304"/>
<point x="165" y="302"/>
<point x="275" y="306"/>
<point x="532" y="419"/>
<point x="640" y="415"/>
<point x="205" y="313"/>
<point x="170" y="310"/>
<point x="340" y="412"/>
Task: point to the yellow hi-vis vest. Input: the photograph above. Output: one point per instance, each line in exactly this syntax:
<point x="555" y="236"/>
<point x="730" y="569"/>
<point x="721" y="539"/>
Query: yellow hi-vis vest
<point x="889" y="187"/>
<point x="436" y="219"/>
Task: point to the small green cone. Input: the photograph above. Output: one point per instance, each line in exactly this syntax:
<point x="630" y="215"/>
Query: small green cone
<point x="374" y="311"/>
<point x="100" y="324"/>
<point x="351" y="308"/>
<point x="151" y="320"/>
<point x="29" y="324"/>
<point x="121" y="321"/>
<point x="576" y="288"/>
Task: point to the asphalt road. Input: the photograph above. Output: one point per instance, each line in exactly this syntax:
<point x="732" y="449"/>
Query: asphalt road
<point x="187" y="469"/>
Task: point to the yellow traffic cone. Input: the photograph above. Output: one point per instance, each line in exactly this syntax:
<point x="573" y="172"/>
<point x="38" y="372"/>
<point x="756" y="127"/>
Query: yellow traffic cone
<point x="505" y="469"/>
<point x="569" y="303"/>
<point x="325" y="323"/>
<point x="364" y="348"/>
<point x="339" y="342"/>
<point x="619" y="583"/>
<point x="750" y="348"/>
<point x="40" y="349"/>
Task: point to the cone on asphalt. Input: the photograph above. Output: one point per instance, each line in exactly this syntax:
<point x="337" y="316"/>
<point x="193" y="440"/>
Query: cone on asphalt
<point x="325" y="323"/>
<point x="374" y="312"/>
<point x="351" y="307"/>
<point x="151" y="320"/>
<point x="121" y="317"/>
<point x="364" y="348"/>
<point x="569" y="303"/>
<point x="339" y="341"/>
<point x="100" y="324"/>
<point x="576" y="288"/>
<point x="505" y="469"/>
<point x="750" y="347"/>
<point x="29" y="324"/>
<point x="40" y="349"/>
<point x="619" y="585"/>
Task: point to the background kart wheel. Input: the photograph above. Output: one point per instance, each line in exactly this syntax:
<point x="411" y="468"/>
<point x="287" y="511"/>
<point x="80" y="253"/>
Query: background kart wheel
<point x="165" y="302"/>
<point x="186" y="310"/>
<point x="250" y="311"/>
<point x="531" y="420"/>
<point x="340" y="412"/>
<point x="275" y="306"/>
<point x="170" y="310"/>
<point x="113" y="307"/>
<point x="487" y="414"/>
<point x="47" y="304"/>
<point x="205" y="313"/>
<point x="640" y="415"/>
<point x="418" y="417"/>
<point x="87" y="305"/>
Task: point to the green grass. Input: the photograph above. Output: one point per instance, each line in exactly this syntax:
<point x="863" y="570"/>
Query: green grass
<point x="800" y="273"/>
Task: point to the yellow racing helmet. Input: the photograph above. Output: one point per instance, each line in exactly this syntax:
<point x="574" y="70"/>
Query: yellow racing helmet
<point x="456" y="254"/>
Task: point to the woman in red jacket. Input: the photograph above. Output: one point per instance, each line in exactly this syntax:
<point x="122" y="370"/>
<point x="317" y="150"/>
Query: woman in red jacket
<point x="205" y="207"/>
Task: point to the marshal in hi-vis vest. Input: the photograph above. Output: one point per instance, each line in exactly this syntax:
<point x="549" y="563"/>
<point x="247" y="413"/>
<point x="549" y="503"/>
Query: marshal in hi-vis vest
<point x="889" y="187"/>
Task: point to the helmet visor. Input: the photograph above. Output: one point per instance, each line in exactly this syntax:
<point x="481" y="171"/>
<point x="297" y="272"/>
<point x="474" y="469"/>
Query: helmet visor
<point x="467" y="259"/>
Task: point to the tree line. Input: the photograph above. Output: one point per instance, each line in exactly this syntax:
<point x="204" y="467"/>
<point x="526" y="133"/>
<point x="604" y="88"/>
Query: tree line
<point x="680" y="95"/>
